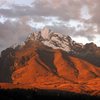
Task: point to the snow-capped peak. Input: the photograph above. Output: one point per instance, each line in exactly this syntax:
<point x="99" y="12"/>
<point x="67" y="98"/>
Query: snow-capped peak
<point x="45" y="33"/>
<point x="53" y="39"/>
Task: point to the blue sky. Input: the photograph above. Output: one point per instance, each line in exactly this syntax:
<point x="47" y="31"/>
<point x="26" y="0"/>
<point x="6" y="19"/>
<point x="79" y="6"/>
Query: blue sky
<point x="79" y="19"/>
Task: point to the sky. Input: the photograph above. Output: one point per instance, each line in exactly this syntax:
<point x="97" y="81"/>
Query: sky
<point x="79" y="19"/>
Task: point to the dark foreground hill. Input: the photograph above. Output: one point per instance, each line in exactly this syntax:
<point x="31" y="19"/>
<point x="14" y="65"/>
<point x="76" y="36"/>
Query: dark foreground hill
<point x="22" y="94"/>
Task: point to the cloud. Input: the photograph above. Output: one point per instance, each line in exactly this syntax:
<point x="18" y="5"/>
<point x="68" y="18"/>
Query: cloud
<point x="2" y="2"/>
<point x="13" y="32"/>
<point x="64" y="9"/>
<point x="77" y="18"/>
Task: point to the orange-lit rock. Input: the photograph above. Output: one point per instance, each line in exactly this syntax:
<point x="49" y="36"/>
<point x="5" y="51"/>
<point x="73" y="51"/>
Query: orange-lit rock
<point x="46" y="68"/>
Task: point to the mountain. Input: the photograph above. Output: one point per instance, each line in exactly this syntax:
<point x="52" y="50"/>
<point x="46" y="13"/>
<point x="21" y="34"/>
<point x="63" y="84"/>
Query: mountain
<point x="49" y="60"/>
